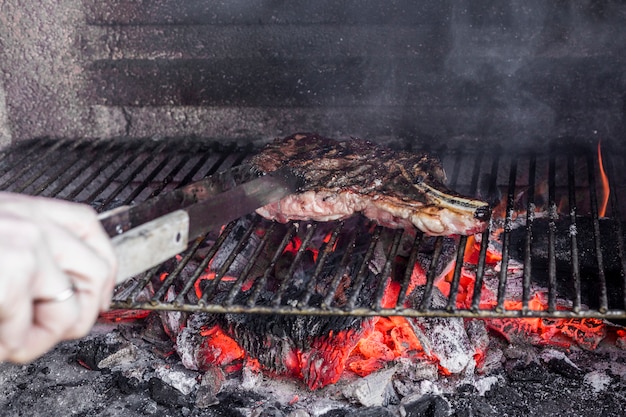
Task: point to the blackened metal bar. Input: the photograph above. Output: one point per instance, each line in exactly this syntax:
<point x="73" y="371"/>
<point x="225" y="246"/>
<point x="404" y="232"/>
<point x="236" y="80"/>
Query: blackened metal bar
<point x="188" y="178"/>
<point x="357" y="285"/>
<point x="26" y="153"/>
<point x="174" y="275"/>
<point x="410" y="271"/>
<point x="141" y="284"/>
<point x="169" y="177"/>
<point x="385" y="277"/>
<point x="530" y="217"/>
<point x="146" y="181"/>
<point x="294" y="263"/>
<point x="67" y="176"/>
<point x="140" y="167"/>
<point x="75" y="156"/>
<point x="321" y="261"/>
<point x="200" y="269"/>
<point x="339" y="272"/>
<point x="573" y="209"/>
<point x="454" y="178"/>
<point x="236" y="288"/>
<point x="131" y="155"/>
<point x="97" y="171"/>
<point x="619" y="227"/>
<point x="62" y="163"/>
<point x="593" y="199"/>
<point x="261" y="282"/>
<point x="456" y="278"/>
<point x="506" y="237"/>
<point x="430" y="276"/>
<point x="485" y="236"/>
<point x="241" y="155"/>
<point x="212" y="286"/>
<point x="28" y="167"/>
<point x="552" y="218"/>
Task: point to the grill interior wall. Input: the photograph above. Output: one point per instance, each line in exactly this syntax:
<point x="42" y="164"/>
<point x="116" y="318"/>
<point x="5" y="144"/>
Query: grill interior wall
<point x="500" y="71"/>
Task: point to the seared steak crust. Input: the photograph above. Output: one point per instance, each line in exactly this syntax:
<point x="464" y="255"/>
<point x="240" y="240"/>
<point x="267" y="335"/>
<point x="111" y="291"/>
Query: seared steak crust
<point x="396" y="188"/>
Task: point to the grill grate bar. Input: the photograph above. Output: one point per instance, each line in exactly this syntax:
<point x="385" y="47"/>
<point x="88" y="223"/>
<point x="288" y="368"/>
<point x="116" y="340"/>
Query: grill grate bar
<point x="552" y="218"/>
<point x="169" y="177"/>
<point x="96" y="173"/>
<point x="410" y="270"/>
<point x="236" y="288"/>
<point x="362" y="274"/>
<point x="456" y="277"/>
<point x="342" y="266"/>
<point x="573" y="236"/>
<point x="25" y="153"/>
<point x="384" y="277"/>
<point x="34" y="164"/>
<point x="430" y="276"/>
<point x="530" y="218"/>
<point x="296" y="261"/>
<point x="328" y="249"/>
<point x="619" y="228"/>
<point x="128" y="161"/>
<point x="133" y="174"/>
<point x="60" y="168"/>
<point x="71" y="174"/>
<point x="260" y="283"/>
<point x="593" y="199"/>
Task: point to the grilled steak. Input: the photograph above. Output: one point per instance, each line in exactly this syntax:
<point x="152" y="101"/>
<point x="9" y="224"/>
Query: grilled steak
<point x="396" y="189"/>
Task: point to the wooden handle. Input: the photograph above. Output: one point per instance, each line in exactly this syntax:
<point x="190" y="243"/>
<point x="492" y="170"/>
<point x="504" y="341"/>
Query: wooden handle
<point x="151" y="243"/>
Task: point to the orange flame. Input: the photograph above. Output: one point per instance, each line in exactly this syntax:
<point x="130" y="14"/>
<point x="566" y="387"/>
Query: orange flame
<point x="606" y="189"/>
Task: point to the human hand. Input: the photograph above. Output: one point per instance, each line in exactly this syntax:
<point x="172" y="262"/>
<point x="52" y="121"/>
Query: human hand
<point x="57" y="273"/>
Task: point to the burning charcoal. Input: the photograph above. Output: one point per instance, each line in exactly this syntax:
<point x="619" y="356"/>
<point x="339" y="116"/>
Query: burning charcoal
<point x="558" y="362"/>
<point x="373" y="390"/>
<point x="598" y="380"/>
<point x="270" y="412"/>
<point x="92" y="351"/>
<point x="372" y="412"/>
<point x="532" y="372"/>
<point x="427" y="406"/>
<point x="181" y="379"/>
<point x="232" y="241"/>
<point x="311" y="346"/>
<point x="165" y="394"/>
<point x="445" y="338"/>
<point x="128" y="354"/>
<point x="564" y="368"/>
<point x="128" y="385"/>
<point x="189" y="341"/>
<point x="210" y="386"/>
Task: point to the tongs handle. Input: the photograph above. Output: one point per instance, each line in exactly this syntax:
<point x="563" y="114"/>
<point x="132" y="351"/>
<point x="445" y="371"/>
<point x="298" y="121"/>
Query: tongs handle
<point x="149" y="244"/>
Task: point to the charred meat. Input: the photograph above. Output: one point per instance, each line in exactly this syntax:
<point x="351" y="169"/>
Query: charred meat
<point x="396" y="189"/>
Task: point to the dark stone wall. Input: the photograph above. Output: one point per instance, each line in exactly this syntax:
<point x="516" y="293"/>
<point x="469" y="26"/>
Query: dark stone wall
<point x="503" y="71"/>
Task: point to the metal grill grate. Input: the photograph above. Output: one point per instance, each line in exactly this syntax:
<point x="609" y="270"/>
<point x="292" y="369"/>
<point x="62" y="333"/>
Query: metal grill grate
<point x="559" y="258"/>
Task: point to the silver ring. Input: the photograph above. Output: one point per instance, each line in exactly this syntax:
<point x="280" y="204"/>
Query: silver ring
<point x="64" y="295"/>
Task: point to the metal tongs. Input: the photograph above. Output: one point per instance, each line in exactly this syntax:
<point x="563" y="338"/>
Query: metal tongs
<point x="149" y="233"/>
